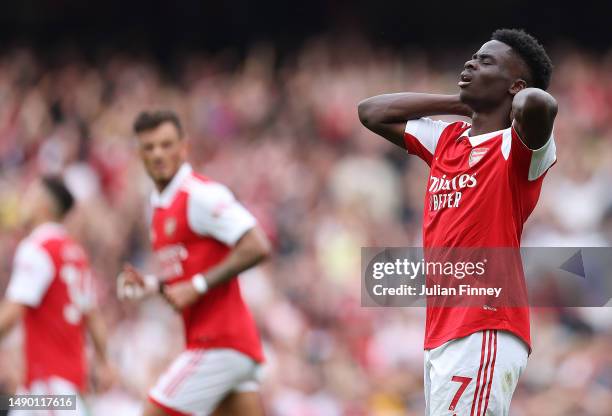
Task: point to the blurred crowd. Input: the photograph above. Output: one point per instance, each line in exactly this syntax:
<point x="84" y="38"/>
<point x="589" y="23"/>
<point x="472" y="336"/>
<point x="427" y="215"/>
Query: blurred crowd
<point x="283" y="134"/>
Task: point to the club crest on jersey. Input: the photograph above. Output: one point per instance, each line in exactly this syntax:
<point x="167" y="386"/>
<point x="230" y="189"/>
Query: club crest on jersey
<point x="476" y="155"/>
<point x="170" y="226"/>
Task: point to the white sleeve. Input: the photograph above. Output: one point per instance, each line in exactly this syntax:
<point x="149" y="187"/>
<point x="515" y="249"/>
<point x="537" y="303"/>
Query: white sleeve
<point x="542" y="159"/>
<point x="537" y="161"/>
<point x="212" y="210"/>
<point x="33" y="272"/>
<point x="423" y="132"/>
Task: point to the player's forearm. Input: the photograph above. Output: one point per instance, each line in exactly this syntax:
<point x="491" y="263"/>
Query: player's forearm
<point x="401" y="107"/>
<point x="10" y="313"/>
<point x="386" y="115"/>
<point x="251" y="250"/>
<point x="97" y="330"/>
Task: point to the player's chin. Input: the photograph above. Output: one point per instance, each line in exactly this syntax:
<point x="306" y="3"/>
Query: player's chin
<point x="466" y="96"/>
<point x="163" y="178"/>
<point x="160" y="173"/>
<point x="463" y="94"/>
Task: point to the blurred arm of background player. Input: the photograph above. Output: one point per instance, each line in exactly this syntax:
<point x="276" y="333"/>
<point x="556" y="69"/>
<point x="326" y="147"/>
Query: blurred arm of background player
<point x="105" y="373"/>
<point x="387" y="114"/>
<point x="252" y="248"/>
<point x="10" y="314"/>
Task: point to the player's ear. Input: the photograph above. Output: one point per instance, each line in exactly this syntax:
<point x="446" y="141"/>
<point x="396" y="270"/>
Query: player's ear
<point x="517" y="86"/>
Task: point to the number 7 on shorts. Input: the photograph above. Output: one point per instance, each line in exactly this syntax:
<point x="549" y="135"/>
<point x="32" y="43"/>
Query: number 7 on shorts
<point x="464" y="383"/>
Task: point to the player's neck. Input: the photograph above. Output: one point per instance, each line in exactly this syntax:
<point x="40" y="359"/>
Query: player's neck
<point x="160" y="186"/>
<point x="488" y="121"/>
<point x="37" y="222"/>
<point x="163" y="184"/>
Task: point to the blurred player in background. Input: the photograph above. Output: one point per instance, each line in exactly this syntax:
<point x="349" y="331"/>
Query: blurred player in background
<point x="52" y="290"/>
<point x="485" y="180"/>
<point x="202" y="238"/>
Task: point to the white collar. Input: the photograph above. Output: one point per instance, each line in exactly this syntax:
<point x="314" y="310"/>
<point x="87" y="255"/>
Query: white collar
<point x="164" y="199"/>
<point x="481" y="138"/>
<point x="46" y="229"/>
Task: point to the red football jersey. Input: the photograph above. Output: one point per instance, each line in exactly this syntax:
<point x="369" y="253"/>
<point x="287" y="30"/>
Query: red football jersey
<point x="51" y="276"/>
<point x="481" y="190"/>
<point x="195" y="223"/>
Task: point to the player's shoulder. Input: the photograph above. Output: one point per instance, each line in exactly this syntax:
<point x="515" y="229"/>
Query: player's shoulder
<point x="199" y="178"/>
<point x="54" y="241"/>
<point x="73" y="251"/>
<point x="450" y="132"/>
<point x="34" y="249"/>
<point x="29" y="245"/>
<point x="198" y="183"/>
<point x="46" y="234"/>
<point x="456" y="128"/>
<point x="204" y="190"/>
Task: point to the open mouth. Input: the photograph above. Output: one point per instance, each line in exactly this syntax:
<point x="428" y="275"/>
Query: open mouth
<point x="464" y="80"/>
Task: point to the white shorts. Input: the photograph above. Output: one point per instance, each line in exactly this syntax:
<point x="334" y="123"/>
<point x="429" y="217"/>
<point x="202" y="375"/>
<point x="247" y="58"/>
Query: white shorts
<point x="53" y="385"/>
<point x="198" y="380"/>
<point x="475" y="375"/>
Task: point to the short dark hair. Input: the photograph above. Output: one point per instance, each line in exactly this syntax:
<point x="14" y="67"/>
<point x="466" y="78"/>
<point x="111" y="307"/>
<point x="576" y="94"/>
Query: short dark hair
<point x="149" y="120"/>
<point x="60" y="193"/>
<point x="532" y="53"/>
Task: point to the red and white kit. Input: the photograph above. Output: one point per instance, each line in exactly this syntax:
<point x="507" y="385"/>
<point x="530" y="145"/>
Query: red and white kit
<point x="195" y="223"/>
<point x="481" y="190"/>
<point x="51" y="276"/>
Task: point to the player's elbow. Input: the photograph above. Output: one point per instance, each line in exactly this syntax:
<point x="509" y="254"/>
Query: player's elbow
<point x="539" y="102"/>
<point x="366" y="110"/>
<point x="10" y="313"/>
<point x="264" y="250"/>
<point x="260" y="247"/>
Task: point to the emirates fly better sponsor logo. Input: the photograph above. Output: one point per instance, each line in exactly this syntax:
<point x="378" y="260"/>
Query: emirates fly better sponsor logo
<point x="446" y="192"/>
